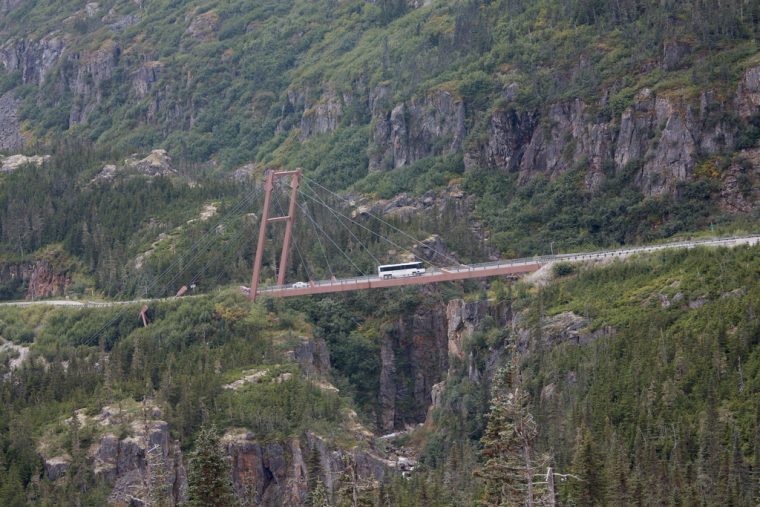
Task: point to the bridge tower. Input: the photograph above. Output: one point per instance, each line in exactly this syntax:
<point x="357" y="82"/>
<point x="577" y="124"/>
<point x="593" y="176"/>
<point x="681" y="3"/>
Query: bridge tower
<point x="266" y="219"/>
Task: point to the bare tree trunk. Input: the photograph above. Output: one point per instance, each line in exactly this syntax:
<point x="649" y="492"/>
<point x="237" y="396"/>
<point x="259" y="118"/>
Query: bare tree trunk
<point x="552" y="496"/>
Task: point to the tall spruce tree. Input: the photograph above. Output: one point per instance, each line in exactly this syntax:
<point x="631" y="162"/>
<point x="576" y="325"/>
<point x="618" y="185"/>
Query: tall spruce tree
<point x="208" y="478"/>
<point x="587" y="464"/>
<point x="512" y="464"/>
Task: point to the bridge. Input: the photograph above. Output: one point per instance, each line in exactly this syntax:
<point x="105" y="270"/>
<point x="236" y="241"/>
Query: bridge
<point x="489" y="269"/>
<point x="433" y="274"/>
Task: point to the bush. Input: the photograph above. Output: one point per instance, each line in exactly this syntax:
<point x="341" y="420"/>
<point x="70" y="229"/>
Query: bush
<point x="562" y="269"/>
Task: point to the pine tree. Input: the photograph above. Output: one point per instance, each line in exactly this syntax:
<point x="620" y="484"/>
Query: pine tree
<point x="755" y="487"/>
<point x="617" y="473"/>
<point x="317" y="492"/>
<point x="508" y="445"/>
<point x="208" y="477"/>
<point x="318" y="496"/>
<point x="587" y="465"/>
<point x="12" y="488"/>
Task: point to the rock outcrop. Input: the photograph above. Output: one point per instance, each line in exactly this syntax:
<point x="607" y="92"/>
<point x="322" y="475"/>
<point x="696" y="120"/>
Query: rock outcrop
<point x="740" y="183"/>
<point x="276" y="473"/>
<point x="10" y="128"/>
<point x="413" y="357"/>
<point x="748" y="93"/>
<point x="90" y="71"/>
<point x="662" y="134"/>
<point x="156" y="163"/>
<point x="421" y="127"/>
<point x="324" y="116"/>
<point x="38" y="279"/>
<point x="32" y="59"/>
<point x="144" y="458"/>
<point x="463" y="318"/>
<point x="146" y="77"/>
<point x="13" y="162"/>
<point x="509" y="134"/>
<point x="312" y="357"/>
<point x="203" y="26"/>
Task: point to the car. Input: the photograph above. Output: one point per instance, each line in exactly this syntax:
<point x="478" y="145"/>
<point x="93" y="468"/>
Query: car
<point x="300" y="285"/>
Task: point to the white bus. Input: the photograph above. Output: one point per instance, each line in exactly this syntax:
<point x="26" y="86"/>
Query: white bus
<point x="400" y="270"/>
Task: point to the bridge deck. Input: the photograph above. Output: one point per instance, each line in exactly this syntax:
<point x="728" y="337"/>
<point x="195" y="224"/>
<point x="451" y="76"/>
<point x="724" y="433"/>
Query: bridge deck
<point x="499" y="268"/>
<point x="375" y="282"/>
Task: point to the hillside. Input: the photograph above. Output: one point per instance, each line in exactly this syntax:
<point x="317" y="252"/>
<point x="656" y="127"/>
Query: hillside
<point x="134" y="137"/>
<point x="652" y="360"/>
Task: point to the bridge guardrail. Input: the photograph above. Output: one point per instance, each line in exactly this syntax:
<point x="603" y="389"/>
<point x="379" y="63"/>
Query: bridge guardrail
<point x="539" y="259"/>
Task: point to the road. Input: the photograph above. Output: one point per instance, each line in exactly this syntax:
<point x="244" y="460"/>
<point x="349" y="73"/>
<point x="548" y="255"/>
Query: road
<point x="498" y="268"/>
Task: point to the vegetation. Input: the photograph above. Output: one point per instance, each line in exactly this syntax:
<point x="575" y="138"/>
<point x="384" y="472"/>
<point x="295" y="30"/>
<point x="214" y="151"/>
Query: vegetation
<point x="209" y="473"/>
<point x="650" y="397"/>
<point x="655" y="401"/>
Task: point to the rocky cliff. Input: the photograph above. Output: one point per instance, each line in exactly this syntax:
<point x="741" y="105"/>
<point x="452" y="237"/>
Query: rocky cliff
<point x="34" y="279"/>
<point x="405" y="132"/>
<point x="413" y="358"/>
<point x="140" y="464"/>
<point x="665" y="135"/>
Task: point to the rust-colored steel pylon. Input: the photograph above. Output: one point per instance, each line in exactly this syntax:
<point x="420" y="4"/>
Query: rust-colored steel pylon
<point x="265" y="219"/>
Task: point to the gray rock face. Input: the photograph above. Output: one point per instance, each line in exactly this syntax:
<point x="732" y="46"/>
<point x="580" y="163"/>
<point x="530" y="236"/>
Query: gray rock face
<point x="509" y="134"/>
<point x="324" y="116"/>
<point x="56" y="467"/>
<point x="92" y="69"/>
<point x="10" y="129"/>
<point x="748" y="93"/>
<point x="741" y="183"/>
<point x="276" y="474"/>
<point x="313" y="358"/>
<point x="464" y="317"/>
<point x="33" y="59"/>
<point x="672" y="160"/>
<point x="146" y="77"/>
<point x="414" y="357"/>
<point x="203" y="26"/>
<point x="662" y="134"/>
<point x="125" y="463"/>
<point x="421" y="127"/>
<point x="568" y="136"/>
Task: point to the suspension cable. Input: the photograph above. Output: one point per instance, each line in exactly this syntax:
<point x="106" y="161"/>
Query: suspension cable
<point x="373" y="232"/>
<point x="328" y="237"/>
<point x="337" y="217"/>
<point x="381" y="220"/>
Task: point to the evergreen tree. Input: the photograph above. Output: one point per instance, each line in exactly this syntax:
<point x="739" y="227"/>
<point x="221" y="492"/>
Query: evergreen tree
<point x="208" y="477"/>
<point x="617" y="473"/>
<point x="587" y="466"/>
<point x="508" y="445"/>
<point x="319" y="496"/>
<point x="755" y="487"/>
<point x="12" y="488"/>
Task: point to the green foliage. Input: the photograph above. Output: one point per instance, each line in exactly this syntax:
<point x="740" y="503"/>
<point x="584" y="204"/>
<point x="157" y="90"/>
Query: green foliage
<point x="428" y="174"/>
<point x="528" y="218"/>
<point x="208" y="476"/>
<point x="563" y="269"/>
